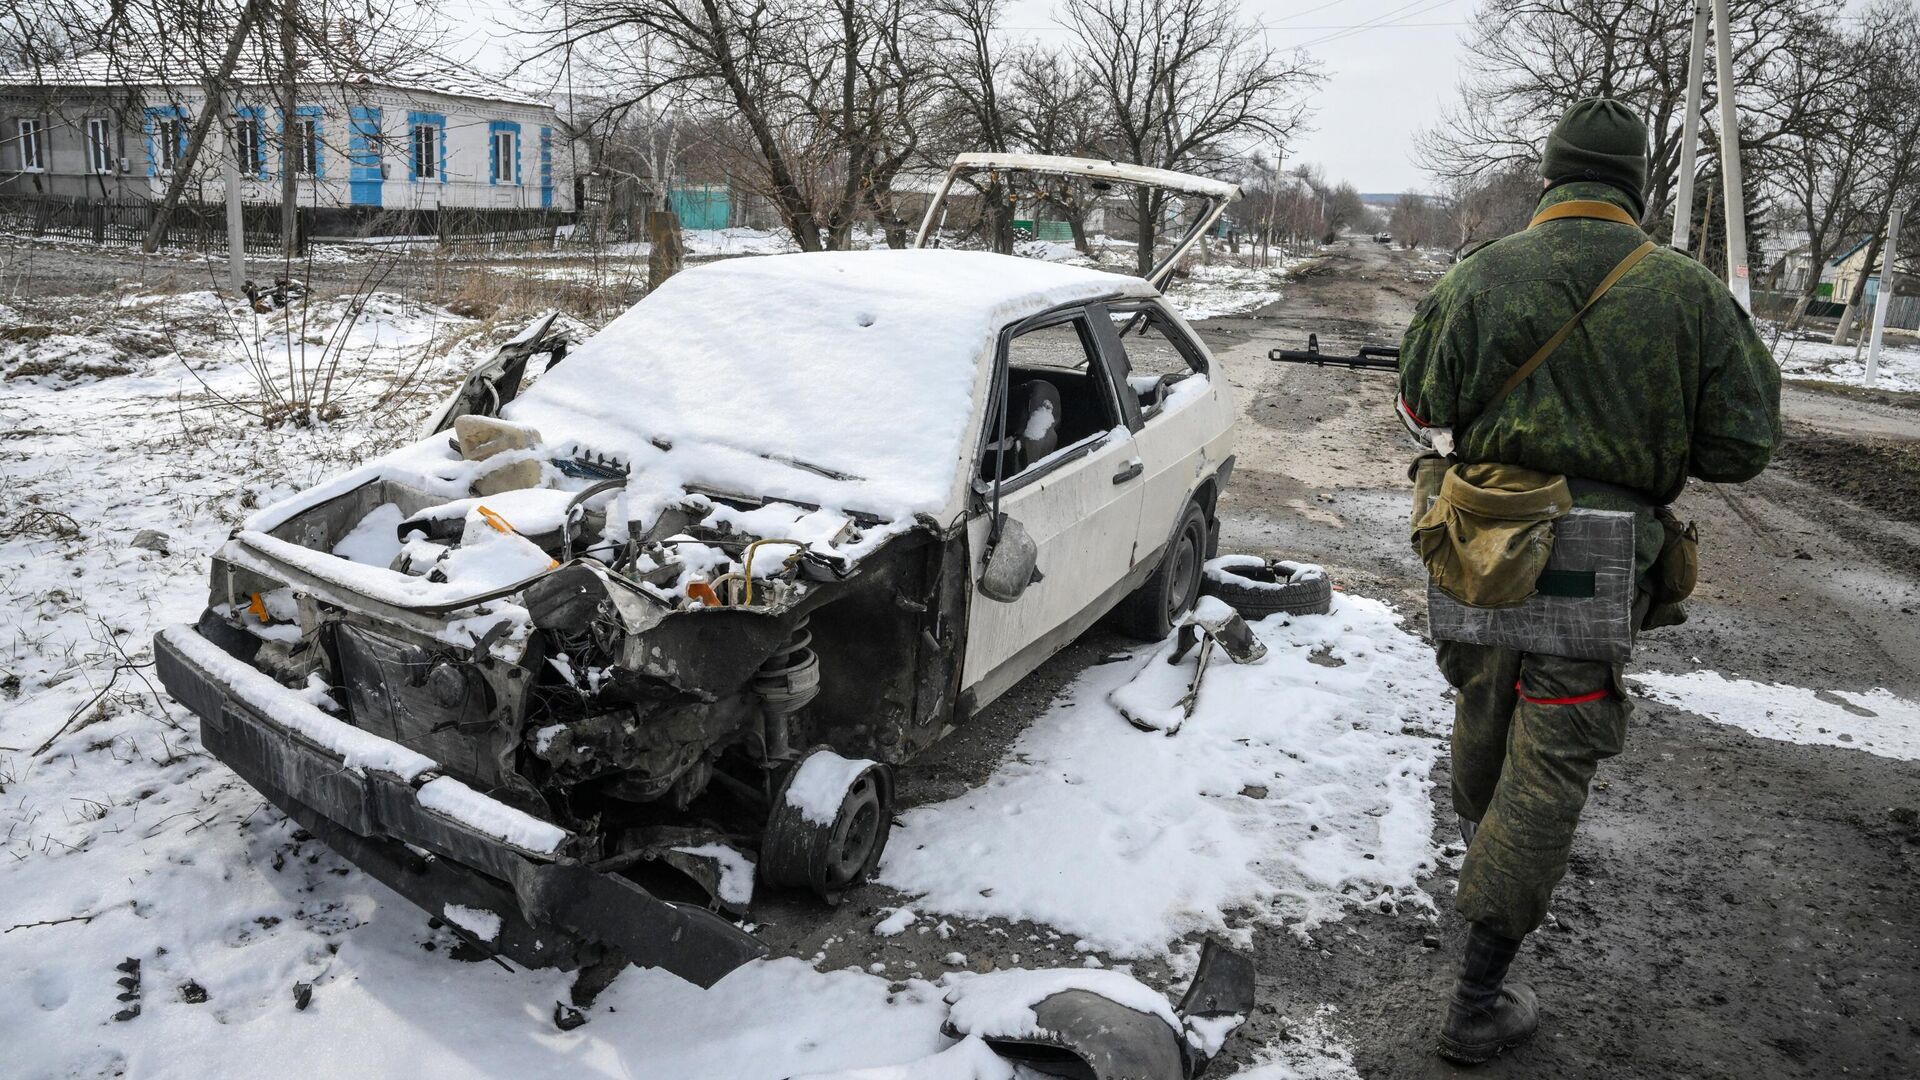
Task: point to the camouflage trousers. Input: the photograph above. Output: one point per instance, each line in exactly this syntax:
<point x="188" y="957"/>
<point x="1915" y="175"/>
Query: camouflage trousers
<point x="1528" y="732"/>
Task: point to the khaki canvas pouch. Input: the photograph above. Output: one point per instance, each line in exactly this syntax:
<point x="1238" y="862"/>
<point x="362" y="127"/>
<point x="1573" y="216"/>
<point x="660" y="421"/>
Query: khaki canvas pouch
<point x="1488" y="536"/>
<point x="1677" y="569"/>
<point x="1426" y="472"/>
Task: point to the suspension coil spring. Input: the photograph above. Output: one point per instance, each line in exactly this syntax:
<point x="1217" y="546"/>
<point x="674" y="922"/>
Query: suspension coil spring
<point x="788" y="680"/>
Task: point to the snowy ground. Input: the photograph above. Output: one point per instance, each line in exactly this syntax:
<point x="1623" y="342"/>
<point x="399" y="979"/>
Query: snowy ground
<point x="1877" y="721"/>
<point x="255" y="943"/>
<point x="1813" y="357"/>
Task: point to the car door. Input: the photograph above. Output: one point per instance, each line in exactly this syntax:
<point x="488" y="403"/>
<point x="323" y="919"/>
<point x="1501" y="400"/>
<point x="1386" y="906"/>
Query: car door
<point x="1078" y="499"/>
<point x="1177" y="427"/>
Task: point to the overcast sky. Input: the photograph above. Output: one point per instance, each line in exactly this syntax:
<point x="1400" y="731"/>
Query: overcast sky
<point x="1390" y="67"/>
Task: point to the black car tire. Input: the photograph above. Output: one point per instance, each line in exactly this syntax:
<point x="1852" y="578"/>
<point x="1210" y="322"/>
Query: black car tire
<point x="1148" y="613"/>
<point x="1271" y="588"/>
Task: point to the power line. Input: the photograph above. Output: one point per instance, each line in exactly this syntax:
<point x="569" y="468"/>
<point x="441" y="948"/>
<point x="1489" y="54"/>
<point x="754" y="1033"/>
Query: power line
<point x="1380" y="22"/>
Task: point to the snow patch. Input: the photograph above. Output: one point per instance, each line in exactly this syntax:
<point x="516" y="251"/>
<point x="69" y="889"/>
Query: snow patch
<point x="1310" y="1050"/>
<point x="1000" y="1004"/>
<point x="479" y="922"/>
<point x="820" y="785"/>
<point x="1296" y="791"/>
<point x="445" y="795"/>
<point x="374" y="541"/>
<point x="968" y="1059"/>
<point x="1875" y="721"/>
<point x="896" y="923"/>
<point x="736" y="871"/>
<point x="1229" y="570"/>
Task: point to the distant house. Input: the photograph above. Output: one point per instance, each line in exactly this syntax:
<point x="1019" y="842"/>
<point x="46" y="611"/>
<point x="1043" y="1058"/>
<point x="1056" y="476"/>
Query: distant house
<point x="420" y="137"/>
<point x="1850" y="264"/>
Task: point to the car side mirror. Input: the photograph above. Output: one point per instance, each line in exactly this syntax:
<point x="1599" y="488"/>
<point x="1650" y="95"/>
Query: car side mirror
<point x="1012" y="562"/>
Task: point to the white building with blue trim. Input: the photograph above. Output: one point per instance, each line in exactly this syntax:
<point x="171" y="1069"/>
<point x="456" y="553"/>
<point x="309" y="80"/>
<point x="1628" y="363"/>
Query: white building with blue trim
<point x="401" y="143"/>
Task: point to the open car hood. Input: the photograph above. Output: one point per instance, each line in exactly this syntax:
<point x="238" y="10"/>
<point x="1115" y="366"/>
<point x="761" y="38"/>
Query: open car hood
<point x="1214" y="195"/>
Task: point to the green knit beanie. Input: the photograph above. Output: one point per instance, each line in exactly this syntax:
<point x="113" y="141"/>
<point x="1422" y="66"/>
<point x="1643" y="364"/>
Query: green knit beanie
<point x="1598" y="139"/>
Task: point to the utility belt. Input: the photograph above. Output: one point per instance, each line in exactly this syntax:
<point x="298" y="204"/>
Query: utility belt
<point x="1512" y="563"/>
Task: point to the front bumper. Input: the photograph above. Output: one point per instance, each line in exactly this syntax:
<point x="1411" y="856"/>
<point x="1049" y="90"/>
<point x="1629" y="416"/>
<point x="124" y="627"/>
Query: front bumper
<point x="361" y="796"/>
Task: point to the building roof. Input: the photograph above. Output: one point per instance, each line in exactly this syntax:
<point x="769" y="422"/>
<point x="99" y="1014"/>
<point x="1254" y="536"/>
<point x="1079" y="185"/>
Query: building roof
<point x="429" y="74"/>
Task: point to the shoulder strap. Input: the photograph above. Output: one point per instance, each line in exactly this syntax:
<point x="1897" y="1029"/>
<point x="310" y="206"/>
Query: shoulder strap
<point x="1559" y="336"/>
<point x="1583" y="208"/>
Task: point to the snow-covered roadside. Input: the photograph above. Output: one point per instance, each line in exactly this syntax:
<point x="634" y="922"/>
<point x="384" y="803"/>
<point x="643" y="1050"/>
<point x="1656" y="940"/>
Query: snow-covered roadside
<point x="1298" y="789"/>
<point x="1875" y="721"/>
<point x="1806" y="358"/>
<point x="259" y="949"/>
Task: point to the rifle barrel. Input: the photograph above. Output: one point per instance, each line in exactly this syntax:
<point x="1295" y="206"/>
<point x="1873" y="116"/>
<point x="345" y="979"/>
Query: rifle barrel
<point x="1375" y="357"/>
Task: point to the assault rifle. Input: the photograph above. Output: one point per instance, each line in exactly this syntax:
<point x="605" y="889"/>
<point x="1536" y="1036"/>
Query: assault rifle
<point x="1380" y="357"/>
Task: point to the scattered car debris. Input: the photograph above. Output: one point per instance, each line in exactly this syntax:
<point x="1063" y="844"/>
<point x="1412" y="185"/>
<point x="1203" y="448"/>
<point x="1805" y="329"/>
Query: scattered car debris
<point x="566" y="1017"/>
<point x="1106" y="1023"/>
<point x="1257" y="587"/>
<point x="151" y="540"/>
<point x="1210" y="624"/>
<point x="302" y="996"/>
<point x="193" y="993"/>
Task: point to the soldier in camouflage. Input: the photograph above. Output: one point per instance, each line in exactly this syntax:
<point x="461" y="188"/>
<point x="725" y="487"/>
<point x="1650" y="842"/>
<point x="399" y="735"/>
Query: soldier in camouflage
<point x="1663" y="378"/>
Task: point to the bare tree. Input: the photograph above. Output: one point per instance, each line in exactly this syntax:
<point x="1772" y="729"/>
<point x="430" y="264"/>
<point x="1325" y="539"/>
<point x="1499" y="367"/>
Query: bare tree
<point x="1893" y="104"/>
<point x="1186" y="85"/>
<point x="1819" y="170"/>
<point x="1059" y="110"/>
<point x="1530" y="59"/>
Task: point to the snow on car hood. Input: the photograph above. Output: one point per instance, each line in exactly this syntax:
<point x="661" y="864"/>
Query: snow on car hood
<point x="862" y="364"/>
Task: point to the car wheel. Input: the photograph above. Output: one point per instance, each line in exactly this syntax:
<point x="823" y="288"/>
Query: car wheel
<point x="804" y="848"/>
<point x="1151" y="610"/>
<point x="1257" y="588"/>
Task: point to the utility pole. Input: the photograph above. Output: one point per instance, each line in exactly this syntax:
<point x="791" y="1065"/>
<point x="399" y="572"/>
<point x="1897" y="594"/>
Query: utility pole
<point x="1888" y="274"/>
<point x="1734" y="200"/>
<point x="1273" y="200"/>
<point x="236" y="224"/>
<point x="292" y="154"/>
<point x="1690" y="128"/>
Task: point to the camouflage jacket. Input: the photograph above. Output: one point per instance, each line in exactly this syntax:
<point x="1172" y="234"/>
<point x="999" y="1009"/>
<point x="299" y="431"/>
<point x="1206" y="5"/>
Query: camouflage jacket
<point x="1664" y="378"/>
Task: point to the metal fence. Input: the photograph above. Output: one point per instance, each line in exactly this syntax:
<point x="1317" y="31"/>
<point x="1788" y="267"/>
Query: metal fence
<point x="124" y="223"/>
<point x="1903" y="312"/>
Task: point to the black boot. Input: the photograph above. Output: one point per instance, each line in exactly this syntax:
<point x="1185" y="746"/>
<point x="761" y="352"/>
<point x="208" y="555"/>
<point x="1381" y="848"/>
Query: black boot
<point x="1485" y="1017"/>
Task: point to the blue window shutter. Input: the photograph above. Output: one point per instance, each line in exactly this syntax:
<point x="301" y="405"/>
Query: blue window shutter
<point x="546" y="168"/>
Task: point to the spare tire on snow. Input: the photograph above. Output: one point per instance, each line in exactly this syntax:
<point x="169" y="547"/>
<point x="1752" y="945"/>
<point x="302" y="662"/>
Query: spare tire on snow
<point x="1257" y="587"/>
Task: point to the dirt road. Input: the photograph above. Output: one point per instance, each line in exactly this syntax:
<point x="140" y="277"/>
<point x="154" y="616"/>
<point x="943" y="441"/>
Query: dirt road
<point x="1736" y="906"/>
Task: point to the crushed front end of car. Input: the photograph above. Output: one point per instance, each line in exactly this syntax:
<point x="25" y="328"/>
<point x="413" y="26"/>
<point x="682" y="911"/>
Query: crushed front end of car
<point x="513" y="674"/>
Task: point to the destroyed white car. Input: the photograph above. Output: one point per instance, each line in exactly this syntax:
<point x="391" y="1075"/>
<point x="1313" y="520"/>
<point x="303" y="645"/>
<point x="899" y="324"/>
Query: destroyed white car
<point x="681" y="603"/>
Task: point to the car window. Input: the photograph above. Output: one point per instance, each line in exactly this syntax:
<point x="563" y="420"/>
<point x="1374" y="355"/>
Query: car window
<point x="1064" y="345"/>
<point x="1158" y="355"/>
<point x="1153" y="346"/>
<point x="1057" y="396"/>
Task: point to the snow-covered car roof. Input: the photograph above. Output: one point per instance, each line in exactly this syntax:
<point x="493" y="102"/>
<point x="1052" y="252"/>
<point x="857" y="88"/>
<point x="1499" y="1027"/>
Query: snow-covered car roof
<point x="858" y="374"/>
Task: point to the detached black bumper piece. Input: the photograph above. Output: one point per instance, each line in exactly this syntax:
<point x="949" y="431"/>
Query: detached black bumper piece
<point x="555" y="910"/>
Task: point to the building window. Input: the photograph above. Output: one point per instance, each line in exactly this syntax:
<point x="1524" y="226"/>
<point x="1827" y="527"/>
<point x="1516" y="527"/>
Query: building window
<point x="304" y="150"/>
<point x="505" y="156"/>
<point x="33" y="152"/>
<point x="426" y="151"/>
<point x="99" y="144"/>
<point x="248" y="149"/>
<point x="171" y="133"/>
